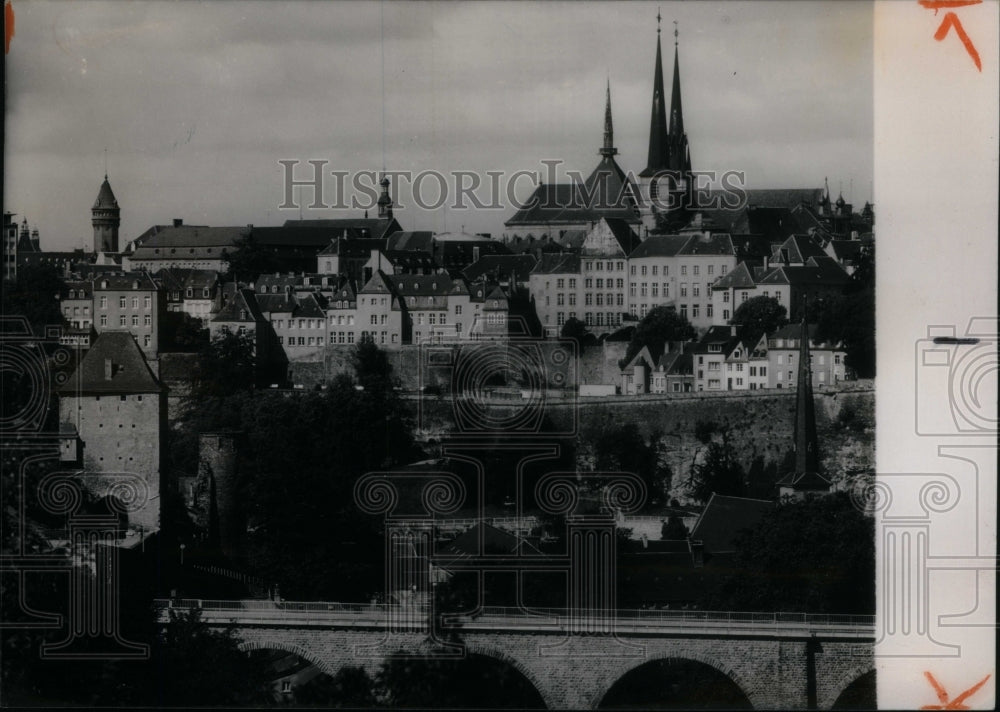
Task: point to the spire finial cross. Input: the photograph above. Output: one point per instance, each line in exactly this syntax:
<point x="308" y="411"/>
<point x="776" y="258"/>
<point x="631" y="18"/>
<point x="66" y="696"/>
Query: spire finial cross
<point x="675" y="33"/>
<point x="658" y="18"/>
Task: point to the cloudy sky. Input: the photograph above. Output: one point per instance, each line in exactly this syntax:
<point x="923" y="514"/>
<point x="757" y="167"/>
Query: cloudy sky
<point x="197" y="102"/>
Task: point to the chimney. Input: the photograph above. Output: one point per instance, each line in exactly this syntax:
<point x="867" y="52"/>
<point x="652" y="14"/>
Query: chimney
<point x="178" y="222"/>
<point x="645" y="541"/>
<point x="698" y="554"/>
<point x="767" y="262"/>
<point x="854" y="234"/>
<point x="109" y="369"/>
<point x="475" y="254"/>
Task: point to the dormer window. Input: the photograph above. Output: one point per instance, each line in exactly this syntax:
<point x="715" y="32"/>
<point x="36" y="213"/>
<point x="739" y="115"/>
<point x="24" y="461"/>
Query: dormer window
<point x="243" y="314"/>
<point x="715" y="348"/>
<point x="190" y="292"/>
<point x="434" y="285"/>
<point x="736" y="353"/>
<point x="274" y="289"/>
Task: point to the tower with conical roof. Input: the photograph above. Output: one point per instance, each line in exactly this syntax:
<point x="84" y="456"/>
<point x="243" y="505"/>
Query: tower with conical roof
<point x="106" y="218"/>
<point x="666" y="180"/>
<point x="806" y="477"/>
<point x="385" y="200"/>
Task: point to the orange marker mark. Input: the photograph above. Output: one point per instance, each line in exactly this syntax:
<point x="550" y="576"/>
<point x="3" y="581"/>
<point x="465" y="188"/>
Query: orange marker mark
<point x="942" y="695"/>
<point x="8" y="25"/>
<point x="951" y="20"/>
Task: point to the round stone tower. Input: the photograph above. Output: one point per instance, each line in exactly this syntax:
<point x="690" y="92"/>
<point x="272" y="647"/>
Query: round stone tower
<point x="106" y="217"/>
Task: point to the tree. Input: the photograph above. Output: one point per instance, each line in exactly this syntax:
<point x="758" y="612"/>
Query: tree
<point x="35" y="295"/>
<point x="759" y="316"/>
<point x="849" y="320"/>
<point x="182" y="332"/>
<point x="717" y="472"/>
<point x="226" y="365"/>
<point x="371" y="366"/>
<point x="621" y="448"/>
<point x="659" y="326"/>
<point x="250" y="259"/>
<point x="673" y="529"/>
<point x="577" y="331"/>
<point x="350" y="687"/>
<point x="816" y="555"/>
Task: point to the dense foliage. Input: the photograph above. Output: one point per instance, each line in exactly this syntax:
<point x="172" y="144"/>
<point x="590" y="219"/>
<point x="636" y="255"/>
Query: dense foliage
<point x="660" y="325"/>
<point x="759" y="316"/>
<point x="815" y="555"/>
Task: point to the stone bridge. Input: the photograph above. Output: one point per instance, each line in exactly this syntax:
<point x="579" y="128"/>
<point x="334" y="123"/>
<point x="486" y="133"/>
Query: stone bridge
<point x="777" y="660"/>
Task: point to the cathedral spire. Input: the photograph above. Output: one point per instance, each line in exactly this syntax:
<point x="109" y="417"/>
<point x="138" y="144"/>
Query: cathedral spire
<point x="676" y="113"/>
<point x="609" y="129"/>
<point x="658" y="146"/>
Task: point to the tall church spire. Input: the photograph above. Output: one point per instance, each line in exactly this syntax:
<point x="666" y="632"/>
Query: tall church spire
<point x="659" y="152"/>
<point x="676" y="114"/>
<point x="609" y="129"/>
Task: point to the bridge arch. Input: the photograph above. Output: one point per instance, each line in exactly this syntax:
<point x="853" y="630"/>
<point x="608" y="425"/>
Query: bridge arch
<point x="738" y="688"/>
<point x="248" y="646"/>
<point x="850" y="688"/>
<point x="551" y="700"/>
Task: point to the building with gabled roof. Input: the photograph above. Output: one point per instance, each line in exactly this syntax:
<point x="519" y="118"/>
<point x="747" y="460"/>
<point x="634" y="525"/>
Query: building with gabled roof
<point x="241" y="314"/>
<point x="113" y="416"/>
<point x="827" y="368"/>
<point x="608" y="192"/>
<point x="719" y="526"/>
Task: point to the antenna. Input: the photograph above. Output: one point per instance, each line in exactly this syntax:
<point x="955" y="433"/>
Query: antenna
<point x="105" y="163"/>
<point x="675" y="33"/>
<point x="382" y="47"/>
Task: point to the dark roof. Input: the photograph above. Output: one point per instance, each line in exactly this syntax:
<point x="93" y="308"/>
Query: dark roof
<point x="715" y="243"/>
<point x="125" y="280"/>
<point x="569" y="203"/>
<point x="498" y="266"/>
<point x="846" y="250"/>
<point x="557" y="263"/>
<point x="739" y="278"/>
<point x="807" y="481"/>
<point x="421" y="284"/>
<point x="243" y="300"/>
<point x="783" y="197"/>
<point x="724" y="517"/>
<point x="106" y="196"/>
<point x="627" y="238"/>
<point x="129" y="371"/>
<point x="798" y="248"/>
<point x="660" y="246"/>
<point x="411" y="240"/>
<point x="355" y="227"/>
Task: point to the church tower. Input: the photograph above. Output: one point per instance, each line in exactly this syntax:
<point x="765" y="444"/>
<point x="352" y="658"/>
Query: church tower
<point x="106" y="218"/>
<point x="385" y="201"/>
<point x="665" y="183"/>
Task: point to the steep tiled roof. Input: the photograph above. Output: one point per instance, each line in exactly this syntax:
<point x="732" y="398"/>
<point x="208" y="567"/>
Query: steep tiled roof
<point x="421" y="284"/>
<point x="129" y="371"/>
<point x="797" y="249"/>
<point x="716" y="243"/>
<point x="724" y="518"/>
<point x="501" y="266"/>
<point x="242" y="300"/>
<point x="627" y="238"/>
<point x="739" y="278"/>
<point x="660" y="246"/>
<point x="562" y="203"/>
<point x="120" y="280"/>
<point x="557" y="263"/>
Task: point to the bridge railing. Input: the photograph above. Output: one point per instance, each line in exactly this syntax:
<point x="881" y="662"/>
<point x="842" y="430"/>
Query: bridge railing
<point x="323" y="609"/>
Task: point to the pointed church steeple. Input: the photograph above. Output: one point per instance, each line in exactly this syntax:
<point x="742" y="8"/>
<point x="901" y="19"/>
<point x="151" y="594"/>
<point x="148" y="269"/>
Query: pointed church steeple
<point x="609" y="129"/>
<point x="105" y="217"/>
<point x="676" y="113"/>
<point x="659" y="151"/>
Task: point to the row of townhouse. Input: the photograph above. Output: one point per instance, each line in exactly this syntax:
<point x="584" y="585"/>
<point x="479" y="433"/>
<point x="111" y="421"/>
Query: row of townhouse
<point x="697" y="272"/>
<point x="722" y="360"/>
<point x="120" y="301"/>
<point x="303" y="314"/>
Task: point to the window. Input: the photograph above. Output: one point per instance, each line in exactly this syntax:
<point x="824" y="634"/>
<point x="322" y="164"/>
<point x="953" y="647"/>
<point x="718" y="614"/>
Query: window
<point x="695" y="269"/>
<point x="374" y="319"/>
<point x="588" y="299"/>
<point x="644" y="270"/>
<point x="620" y="300"/>
<point x="621" y="266"/>
<point x="599" y="267"/>
<point x="709" y="311"/>
<point x="696" y="290"/>
<point x="632" y="270"/>
<point x="147" y="320"/>
<point x="655" y="270"/>
<point x="560" y="318"/>
<point x="458" y="309"/>
<point x="743" y="297"/>
<point x="684" y="310"/>
<point x="589" y="318"/>
<point x="666" y="290"/>
<point x="588" y="283"/>
<point x="694" y="311"/>
<point x="600" y="284"/>
<point x="432" y="318"/>
<point x="610" y="265"/>
<point x="560" y="299"/>
<point x="684" y="269"/>
<point x="588" y="266"/>
<point x="763" y="370"/>
<point x="146" y="301"/>
<point x="572" y="282"/>
<point x="121" y="302"/>
<point x="104" y="319"/>
<point x="631" y="289"/>
<point x="443" y="318"/>
<point x="121" y="320"/>
<point x="724" y="268"/>
<point x="684" y="289"/>
<point x="725" y="314"/>
<point x="711" y="269"/>
<point x="600" y="299"/>
<point x="642" y="289"/>
<point x="145" y="342"/>
<point x="572" y="299"/>
<point x="656" y="290"/>
<point x="559" y="283"/>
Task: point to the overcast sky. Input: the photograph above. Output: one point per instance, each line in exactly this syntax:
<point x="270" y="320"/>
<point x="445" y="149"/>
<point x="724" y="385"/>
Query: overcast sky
<point x="197" y="102"/>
